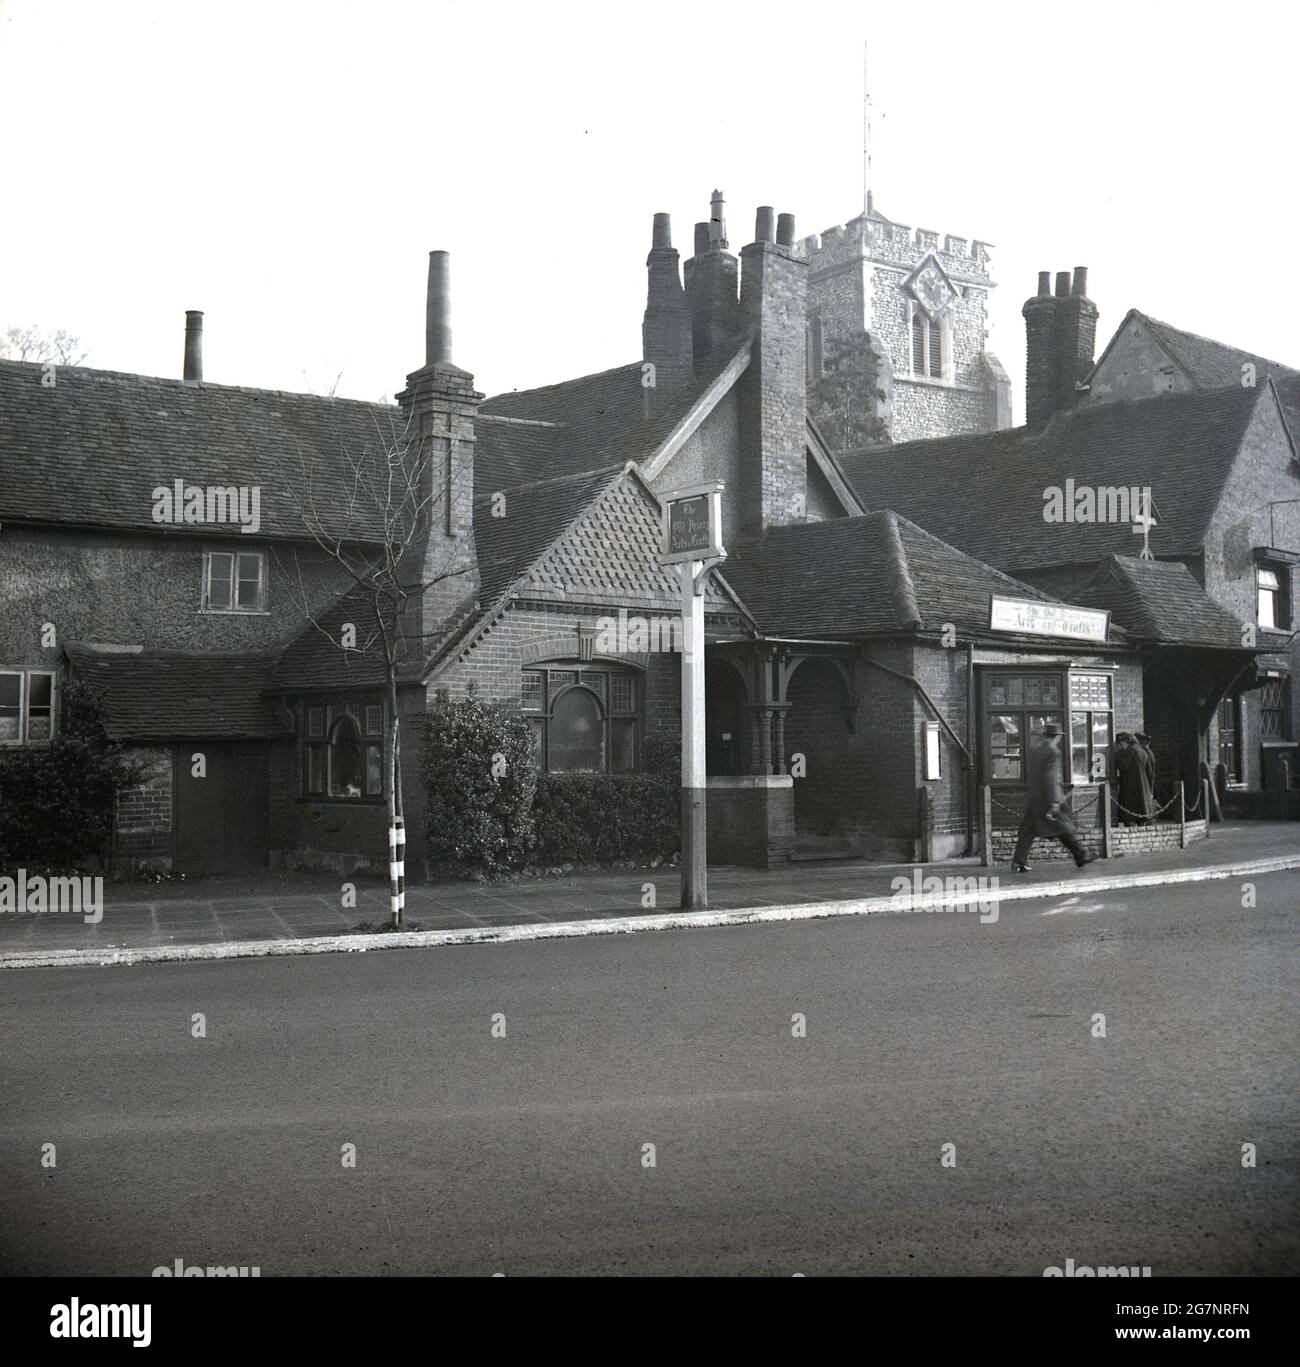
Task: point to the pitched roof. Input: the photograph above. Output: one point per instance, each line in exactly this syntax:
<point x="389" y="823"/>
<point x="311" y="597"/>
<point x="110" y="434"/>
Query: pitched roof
<point x="92" y="448"/>
<point x="1160" y="601"/>
<point x="986" y="493"/>
<point x="850" y="577"/>
<point x="1210" y="364"/>
<point x="595" y="421"/>
<point x="316" y="659"/>
<point x="526" y="522"/>
<point x="162" y="695"/>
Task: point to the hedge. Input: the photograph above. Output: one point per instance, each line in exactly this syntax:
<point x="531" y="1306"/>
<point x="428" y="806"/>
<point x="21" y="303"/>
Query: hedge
<point x="56" y="802"/>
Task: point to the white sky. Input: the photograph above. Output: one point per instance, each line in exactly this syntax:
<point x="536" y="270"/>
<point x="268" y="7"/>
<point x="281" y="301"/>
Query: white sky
<point x="286" y="167"/>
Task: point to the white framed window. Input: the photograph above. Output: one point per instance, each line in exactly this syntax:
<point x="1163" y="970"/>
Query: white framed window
<point x="26" y="706"/>
<point x="234" y="581"/>
<point x="1271" y="593"/>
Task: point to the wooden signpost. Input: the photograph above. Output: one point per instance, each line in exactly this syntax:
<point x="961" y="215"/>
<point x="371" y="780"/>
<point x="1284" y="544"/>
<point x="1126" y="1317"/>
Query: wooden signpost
<point x="692" y="540"/>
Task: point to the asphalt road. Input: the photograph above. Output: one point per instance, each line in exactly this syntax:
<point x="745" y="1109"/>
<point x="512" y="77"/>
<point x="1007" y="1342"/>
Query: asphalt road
<point x="773" y="1154"/>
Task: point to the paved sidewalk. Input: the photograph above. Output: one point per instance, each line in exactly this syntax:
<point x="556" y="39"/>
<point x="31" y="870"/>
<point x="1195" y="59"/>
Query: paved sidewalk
<point x="271" y="908"/>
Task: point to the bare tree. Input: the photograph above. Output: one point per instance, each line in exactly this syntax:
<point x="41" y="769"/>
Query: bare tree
<point x="370" y="514"/>
<point x="35" y="344"/>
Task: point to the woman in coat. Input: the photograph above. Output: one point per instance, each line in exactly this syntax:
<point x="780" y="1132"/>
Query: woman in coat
<point x="1045" y="813"/>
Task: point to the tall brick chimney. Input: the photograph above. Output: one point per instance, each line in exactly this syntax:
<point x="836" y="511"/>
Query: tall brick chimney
<point x="1041" y="363"/>
<point x="193" y="372"/>
<point x="1060" y="338"/>
<point x="441" y="408"/>
<point x="773" y="306"/>
<point x="712" y="279"/>
<point x="1076" y="337"/>
<point x="666" y="340"/>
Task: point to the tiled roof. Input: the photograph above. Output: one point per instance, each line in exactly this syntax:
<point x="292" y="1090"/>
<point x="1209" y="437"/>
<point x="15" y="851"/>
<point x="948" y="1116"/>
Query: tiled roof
<point x="316" y="659"/>
<point x="1211" y="364"/>
<point x="1160" y="601"/>
<point x="91" y="449"/>
<point x="985" y="493"/>
<point x="598" y="420"/>
<point x="528" y="519"/>
<point x="862" y="576"/>
<point x="162" y="695"/>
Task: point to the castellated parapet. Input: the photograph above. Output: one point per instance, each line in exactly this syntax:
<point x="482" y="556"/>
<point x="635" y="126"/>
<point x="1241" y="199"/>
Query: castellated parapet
<point x="921" y="298"/>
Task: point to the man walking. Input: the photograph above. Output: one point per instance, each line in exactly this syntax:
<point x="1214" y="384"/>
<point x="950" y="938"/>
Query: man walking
<point x="1045" y="813"/>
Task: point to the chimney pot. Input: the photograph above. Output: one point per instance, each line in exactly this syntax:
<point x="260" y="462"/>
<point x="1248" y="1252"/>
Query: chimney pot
<point x="193" y="372"/>
<point x="1044" y="282"/>
<point x="1081" y="281"/>
<point x="785" y="230"/>
<point x="701" y="238"/>
<point x="437" y="325"/>
<point x="1062" y="284"/>
<point x="765" y="224"/>
<point x="718" y="221"/>
<point x="663" y="233"/>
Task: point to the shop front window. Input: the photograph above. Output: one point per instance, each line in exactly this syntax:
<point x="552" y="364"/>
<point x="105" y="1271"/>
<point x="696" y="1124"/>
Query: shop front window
<point x="1091" y="727"/>
<point x="1018" y="707"/>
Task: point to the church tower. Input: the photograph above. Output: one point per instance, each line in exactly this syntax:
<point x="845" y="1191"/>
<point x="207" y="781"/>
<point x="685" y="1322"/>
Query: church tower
<point x="897" y="322"/>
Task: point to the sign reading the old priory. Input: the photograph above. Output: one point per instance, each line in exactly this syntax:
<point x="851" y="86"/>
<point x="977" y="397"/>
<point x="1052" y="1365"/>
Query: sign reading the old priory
<point x="1027" y="618"/>
<point x="692" y="524"/>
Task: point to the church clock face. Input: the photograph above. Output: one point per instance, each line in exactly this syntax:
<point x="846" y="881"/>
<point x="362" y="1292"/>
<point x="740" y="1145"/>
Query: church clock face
<point x="932" y="291"/>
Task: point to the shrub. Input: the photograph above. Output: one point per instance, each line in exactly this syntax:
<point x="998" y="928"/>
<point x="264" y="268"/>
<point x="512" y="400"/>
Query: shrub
<point x="592" y="817"/>
<point x="56" y="803"/>
<point x="475" y="819"/>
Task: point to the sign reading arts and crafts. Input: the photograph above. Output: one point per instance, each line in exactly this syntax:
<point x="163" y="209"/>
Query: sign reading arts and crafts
<point x="1025" y="617"/>
<point x="692" y="524"/>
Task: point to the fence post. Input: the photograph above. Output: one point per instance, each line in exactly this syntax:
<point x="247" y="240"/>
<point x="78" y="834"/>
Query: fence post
<point x="1205" y="797"/>
<point x="1182" y="815"/>
<point x="1285" y="775"/>
<point x="986" y="826"/>
<point x="1103" y="796"/>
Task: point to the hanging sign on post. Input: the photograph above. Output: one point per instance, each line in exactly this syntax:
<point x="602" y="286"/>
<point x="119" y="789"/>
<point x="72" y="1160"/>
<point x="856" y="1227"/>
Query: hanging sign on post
<point x="692" y="540"/>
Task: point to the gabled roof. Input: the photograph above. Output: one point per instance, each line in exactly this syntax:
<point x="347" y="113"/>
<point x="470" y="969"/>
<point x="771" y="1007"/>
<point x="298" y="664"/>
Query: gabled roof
<point x="163" y="695"/>
<point x="529" y="519"/>
<point x="1160" y="601"/>
<point x="1207" y="363"/>
<point x="91" y="449"/>
<point x="986" y="493"/>
<point x="853" y="577"/>
<point x="594" y="421"/>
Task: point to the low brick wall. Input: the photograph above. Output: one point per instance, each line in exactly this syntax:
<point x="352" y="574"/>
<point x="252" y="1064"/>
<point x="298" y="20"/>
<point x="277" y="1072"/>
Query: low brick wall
<point x="1160" y="835"/>
<point x="751" y="820"/>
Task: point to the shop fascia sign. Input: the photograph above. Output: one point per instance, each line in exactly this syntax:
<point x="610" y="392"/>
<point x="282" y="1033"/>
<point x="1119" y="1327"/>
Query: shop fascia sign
<point x="1026" y="617"/>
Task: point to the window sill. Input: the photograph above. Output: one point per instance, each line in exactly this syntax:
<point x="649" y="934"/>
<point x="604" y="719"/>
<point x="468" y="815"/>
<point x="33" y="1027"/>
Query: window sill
<point x="371" y="801"/>
<point x="233" y="612"/>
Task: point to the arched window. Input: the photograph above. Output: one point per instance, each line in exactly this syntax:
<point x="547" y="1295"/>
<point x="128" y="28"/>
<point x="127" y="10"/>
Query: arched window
<point x="586" y="718"/>
<point x="345" y="776"/>
<point x="927" y="345"/>
<point x="343" y="749"/>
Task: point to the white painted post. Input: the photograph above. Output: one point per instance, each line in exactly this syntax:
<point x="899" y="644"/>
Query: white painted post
<point x="397" y="868"/>
<point x="695" y="878"/>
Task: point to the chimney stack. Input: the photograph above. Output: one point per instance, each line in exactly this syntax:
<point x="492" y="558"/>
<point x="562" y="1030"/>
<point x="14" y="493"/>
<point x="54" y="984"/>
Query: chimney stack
<point x="193" y="372"/>
<point x="1076" y="338"/>
<point x="441" y="408"/>
<point x="666" y="340"/>
<point x="1060" y="338"/>
<point x="785" y="230"/>
<point x="773" y="484"/>
<point x="712" y="287"/>
<point x="437" y="323"/>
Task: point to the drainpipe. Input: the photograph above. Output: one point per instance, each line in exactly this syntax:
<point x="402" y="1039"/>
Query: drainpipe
<point x="970" y="748"/>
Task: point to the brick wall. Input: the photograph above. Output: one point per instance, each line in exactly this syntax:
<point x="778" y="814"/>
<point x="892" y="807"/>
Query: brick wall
<point x="142" y="817"/>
